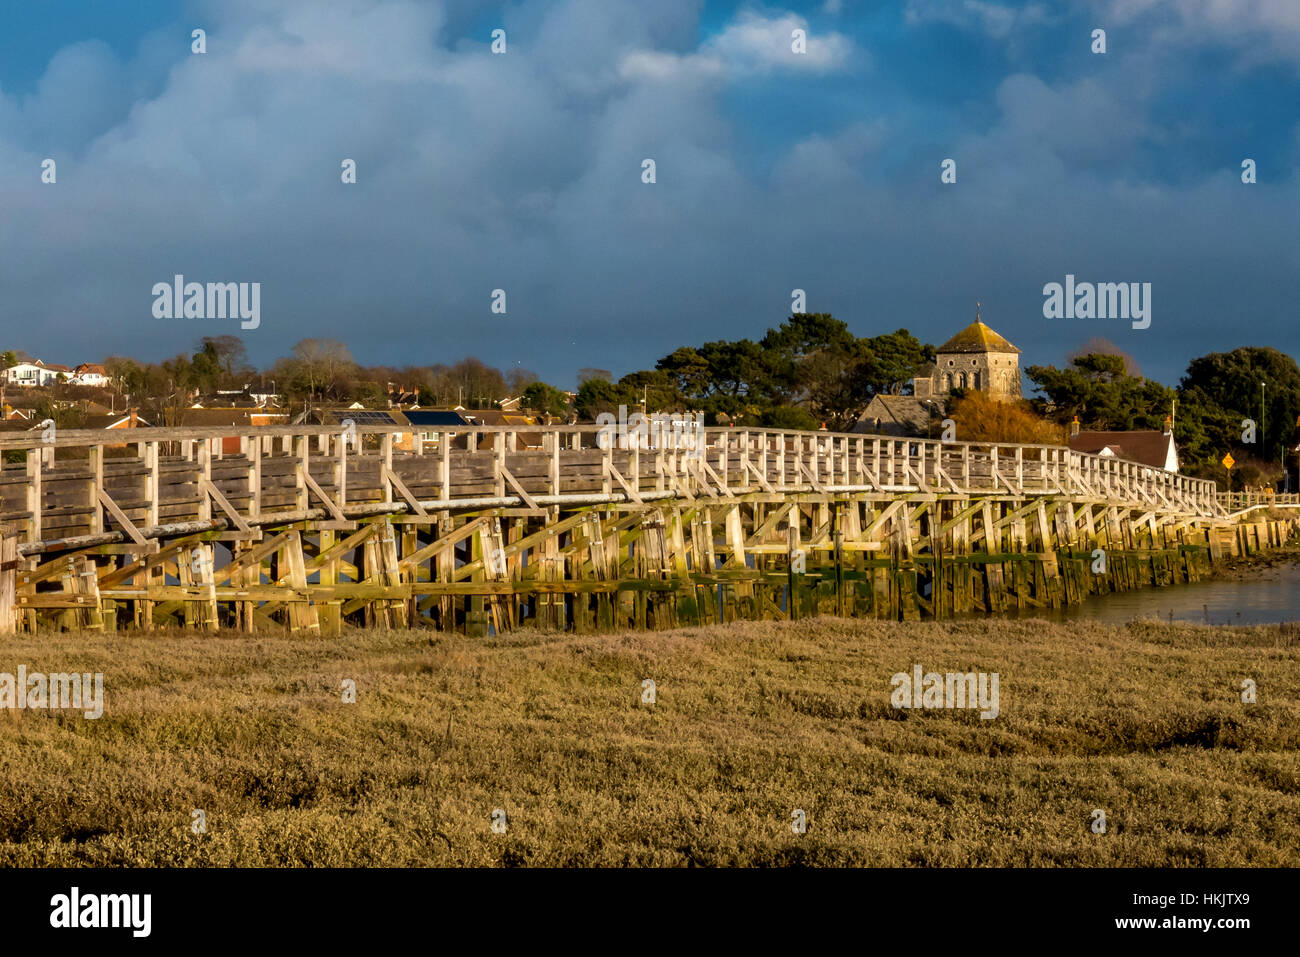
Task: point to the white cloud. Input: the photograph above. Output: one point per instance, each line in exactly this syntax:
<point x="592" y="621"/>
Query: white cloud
<point x="1260" y="30"/>
<point x="995" y="19"/>
<point x="754" y="43"/>
<point x="661" y="65"/>
<point x="750" y="45"/>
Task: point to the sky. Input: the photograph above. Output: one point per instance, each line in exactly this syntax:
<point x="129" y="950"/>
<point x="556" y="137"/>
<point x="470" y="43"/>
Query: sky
<point x="523" y="171"/>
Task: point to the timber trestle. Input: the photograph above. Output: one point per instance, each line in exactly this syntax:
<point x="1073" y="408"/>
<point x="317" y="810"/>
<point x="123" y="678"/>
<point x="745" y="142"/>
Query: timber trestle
<point x="490" y="529"/>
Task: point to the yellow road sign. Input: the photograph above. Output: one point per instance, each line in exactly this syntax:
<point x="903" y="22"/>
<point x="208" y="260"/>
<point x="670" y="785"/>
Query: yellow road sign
<point x="1229" y="461"/>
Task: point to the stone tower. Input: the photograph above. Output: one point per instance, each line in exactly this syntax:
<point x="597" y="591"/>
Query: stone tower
<point x="975" y="358"/>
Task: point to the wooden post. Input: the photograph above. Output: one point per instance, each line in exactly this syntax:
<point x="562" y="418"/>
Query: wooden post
<point x="8" y="583"/>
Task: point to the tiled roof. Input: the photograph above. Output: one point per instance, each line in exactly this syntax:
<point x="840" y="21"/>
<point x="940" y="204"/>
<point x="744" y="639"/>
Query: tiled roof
<point x="901" y="415"/>
<point x="1147" y="447"/>
<point x="977" y="337"/>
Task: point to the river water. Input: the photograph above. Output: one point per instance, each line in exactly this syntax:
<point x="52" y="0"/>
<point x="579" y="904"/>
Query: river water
<point x="1267" y="596"/>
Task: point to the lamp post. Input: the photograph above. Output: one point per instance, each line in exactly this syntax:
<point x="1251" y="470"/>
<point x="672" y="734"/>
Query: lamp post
<point x="1262" y="443"/>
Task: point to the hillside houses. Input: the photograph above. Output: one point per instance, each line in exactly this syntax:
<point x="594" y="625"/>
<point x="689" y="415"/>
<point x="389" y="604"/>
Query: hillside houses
<point x="35" y="374"/>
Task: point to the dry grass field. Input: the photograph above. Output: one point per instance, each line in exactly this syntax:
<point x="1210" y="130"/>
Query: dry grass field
<point x="752" y="721"/>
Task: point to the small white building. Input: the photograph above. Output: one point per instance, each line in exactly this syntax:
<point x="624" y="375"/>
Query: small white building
<point x="89" y="373"/>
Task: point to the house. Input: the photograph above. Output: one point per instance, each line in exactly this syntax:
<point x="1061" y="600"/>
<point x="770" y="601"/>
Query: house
<point x="429" y="424"/>
<point x="30" y="374"/>
<point x="495" y="417"/>
<point x="232" y="399"/>
<point x="402" y="433"/>
<point x="246" y="419"/>
<point x="91" y="374"/>
<point x="58" y="373"/>
<point x="114" y="420"/>
<point x="400" y="397"/>
<point x="908" y="416"/>
<point x="1149" y="447"/>
<point x="975" y="358"/>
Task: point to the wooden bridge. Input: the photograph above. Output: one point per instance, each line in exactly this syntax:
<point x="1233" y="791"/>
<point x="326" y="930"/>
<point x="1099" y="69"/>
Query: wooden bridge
<point x="309" y="527"/>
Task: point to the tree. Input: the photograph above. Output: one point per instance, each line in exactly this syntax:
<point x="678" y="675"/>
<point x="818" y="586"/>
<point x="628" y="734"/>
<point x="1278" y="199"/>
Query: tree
<point x="600" y="395"/>
<point x="787" y="417"/>
<point x="229" y="352"/>
<point x="1221" y="395"/>
<point x="1099" y="345"/>
<point x="205" y="367"/>
<point x="316" y="369"/>
<point x="518" y="379"/>
<point x="899" y="357"/>
<point x="735" y="368"/>
<point x="688" y="370"/>
<point x="8" y="359"/>
<point x="657" y="388"/>
<point x="478" y="384"/>
<point x="816" y="362"/>
<point x="980" y="417"/>
<point x="588" y="374"/>
<point x="1095" y="389"/>
<point x="545" y="399"/>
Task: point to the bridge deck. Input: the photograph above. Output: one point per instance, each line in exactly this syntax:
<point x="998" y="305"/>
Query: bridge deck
<point x="86" y="485"/>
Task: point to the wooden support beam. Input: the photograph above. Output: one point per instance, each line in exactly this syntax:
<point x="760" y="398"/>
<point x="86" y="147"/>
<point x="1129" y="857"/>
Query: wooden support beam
<point x="120" y="517"/>
<point x="519" y="490"/>
<point x="216" y="495"/>
<point x="341" y="520"/>
<point x="392" y="478"/>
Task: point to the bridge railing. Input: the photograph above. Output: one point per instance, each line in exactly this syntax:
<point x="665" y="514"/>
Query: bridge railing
<point x="68" y="484"/>
<point x="1266" y="498"/>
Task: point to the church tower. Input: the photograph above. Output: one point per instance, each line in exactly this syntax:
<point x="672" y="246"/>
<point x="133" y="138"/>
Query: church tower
<point x="975" y="358"/>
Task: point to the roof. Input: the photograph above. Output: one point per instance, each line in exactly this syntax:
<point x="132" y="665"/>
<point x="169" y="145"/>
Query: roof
<point x="977" y="337"/>
<point x="1150" y="447"/>
<point x="435" y="417"/>
<point x="358" y="416"/>
<point x="900" y="414"/>
<point x="112" y="421"/>
<point x="92" y="368"/>
<point x="497" y="417"/>
<point x="218" y="417"/>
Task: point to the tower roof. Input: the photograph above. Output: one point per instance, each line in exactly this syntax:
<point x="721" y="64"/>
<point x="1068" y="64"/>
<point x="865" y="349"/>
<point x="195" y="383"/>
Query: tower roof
<point x="977" y="337"/>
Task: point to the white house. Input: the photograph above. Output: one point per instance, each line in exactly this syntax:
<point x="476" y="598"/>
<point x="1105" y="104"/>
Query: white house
<point x="30" y="374"/>
<point x="89" y="373"/>
<point x="1153" y="448"/>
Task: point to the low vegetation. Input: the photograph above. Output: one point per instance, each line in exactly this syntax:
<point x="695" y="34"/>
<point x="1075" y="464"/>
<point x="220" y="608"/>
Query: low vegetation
<point x="751" y="722"/>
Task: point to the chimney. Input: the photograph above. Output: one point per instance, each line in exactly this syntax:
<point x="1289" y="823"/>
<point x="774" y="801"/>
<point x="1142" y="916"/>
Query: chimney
<point x="1074" y="427"/>
<point x="1169" y="427"/>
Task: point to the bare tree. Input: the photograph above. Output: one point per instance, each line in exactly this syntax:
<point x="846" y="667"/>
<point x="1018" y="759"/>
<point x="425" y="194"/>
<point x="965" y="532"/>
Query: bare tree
<point x="520" y="379"/>
<point x="317" y="364"/>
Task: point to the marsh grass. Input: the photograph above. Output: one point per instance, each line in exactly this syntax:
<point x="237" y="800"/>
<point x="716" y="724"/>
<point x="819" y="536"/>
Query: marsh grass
<point x="752" y="721"/>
